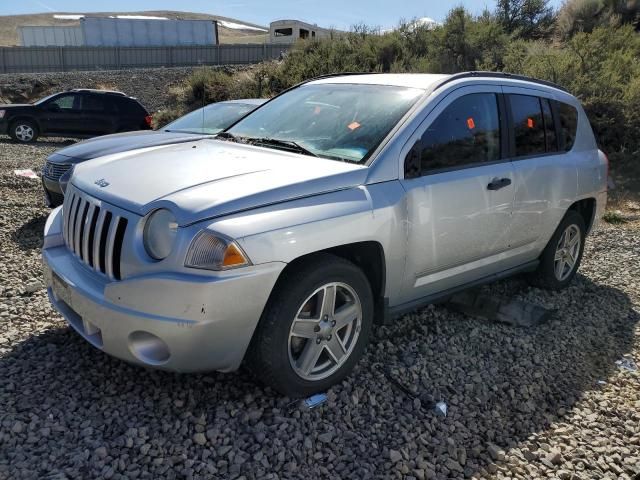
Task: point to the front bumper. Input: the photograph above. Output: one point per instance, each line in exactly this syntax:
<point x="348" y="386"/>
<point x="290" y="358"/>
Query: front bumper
<point x="53" y="195"/>
<point x="172" y="321"/>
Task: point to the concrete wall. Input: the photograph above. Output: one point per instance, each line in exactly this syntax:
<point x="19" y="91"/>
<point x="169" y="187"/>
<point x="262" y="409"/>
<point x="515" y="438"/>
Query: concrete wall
<point x="279" y="31"/>
<point x="63" y="59"/>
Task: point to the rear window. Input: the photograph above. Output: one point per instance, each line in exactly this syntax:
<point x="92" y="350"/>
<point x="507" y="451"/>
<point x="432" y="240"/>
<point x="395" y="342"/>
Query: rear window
<point x="568" y="125"/>
<point x="528" y="126"/>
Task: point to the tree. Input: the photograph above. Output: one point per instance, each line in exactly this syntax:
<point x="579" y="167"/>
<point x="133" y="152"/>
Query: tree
<point x="528" y="19"/>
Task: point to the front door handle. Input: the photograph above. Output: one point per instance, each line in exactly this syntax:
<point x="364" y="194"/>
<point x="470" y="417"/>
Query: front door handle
<point x="498" y="183"/>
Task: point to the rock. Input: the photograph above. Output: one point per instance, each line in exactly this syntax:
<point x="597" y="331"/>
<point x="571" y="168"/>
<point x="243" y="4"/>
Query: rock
<point x="496" y="452"/>
<point x="199" y="438"/>
<point x="325" y="437"/>
<point x="395" y="456"/>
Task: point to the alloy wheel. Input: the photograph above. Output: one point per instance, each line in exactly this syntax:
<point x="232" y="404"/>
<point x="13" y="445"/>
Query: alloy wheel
<point x="325" y="331"/>
<point x="24" y="133"/>
<point x="567" y="252"/>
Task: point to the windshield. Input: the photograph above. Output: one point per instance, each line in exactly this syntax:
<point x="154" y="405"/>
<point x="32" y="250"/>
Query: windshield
<point x="338" y="121"/>
<point x="42" y="100"/>
<point x="210" y="119"/>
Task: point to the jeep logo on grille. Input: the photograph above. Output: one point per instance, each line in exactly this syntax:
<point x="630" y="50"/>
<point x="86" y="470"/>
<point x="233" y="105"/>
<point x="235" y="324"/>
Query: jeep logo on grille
<point x="101" y="183"/>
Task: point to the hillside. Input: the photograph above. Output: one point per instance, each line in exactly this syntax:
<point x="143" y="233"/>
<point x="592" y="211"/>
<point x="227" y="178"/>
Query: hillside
<point x="230" y="30"/>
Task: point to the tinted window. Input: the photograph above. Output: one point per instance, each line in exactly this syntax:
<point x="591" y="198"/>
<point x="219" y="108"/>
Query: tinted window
<point x="127" y="106"/>
<point x="549" y="126"/>
<point x="568" y="125"/>
<point x="528" y="125"/>
<point x="66" y="102"/>
<point x="92" y="103"/>
<point x="467" y="131"/>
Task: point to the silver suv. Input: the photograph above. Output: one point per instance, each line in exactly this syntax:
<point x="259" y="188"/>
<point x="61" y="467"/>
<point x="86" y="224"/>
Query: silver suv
<point x="344" y="201"/>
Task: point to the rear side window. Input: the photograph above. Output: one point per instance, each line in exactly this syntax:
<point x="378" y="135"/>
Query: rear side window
<point x="93" y="103"/>
<point x="128" y="106"/>
<point x="528" y="125"/>
<point x="568" y="125"/>
<point x="466" y="132"/>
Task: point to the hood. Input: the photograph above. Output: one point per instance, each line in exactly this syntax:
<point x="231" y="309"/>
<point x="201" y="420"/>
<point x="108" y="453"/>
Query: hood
<point x="209" y="178"/>
<point x="119" y="142"/>
<point x="14" y="105"/>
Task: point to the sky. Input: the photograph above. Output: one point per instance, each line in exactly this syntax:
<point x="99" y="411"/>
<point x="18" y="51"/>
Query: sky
<point x="339" y="14"/>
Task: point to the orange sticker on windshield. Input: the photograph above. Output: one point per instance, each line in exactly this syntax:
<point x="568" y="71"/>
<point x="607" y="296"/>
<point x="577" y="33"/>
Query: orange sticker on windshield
<point x="353" y="125"/>
<point x="317" y="110"/>
<point x="530" y="122"/>
<point x="470" y="123"/>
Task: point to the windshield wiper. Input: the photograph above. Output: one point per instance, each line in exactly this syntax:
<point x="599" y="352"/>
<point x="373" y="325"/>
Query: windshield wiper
<point x="284" y="144"/>
<point x="227" y="136"/>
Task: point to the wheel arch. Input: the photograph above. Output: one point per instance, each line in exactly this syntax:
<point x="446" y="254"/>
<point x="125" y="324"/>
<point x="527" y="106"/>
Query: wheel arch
<point x="586" y="207"/>
<point x="24" y="117"/>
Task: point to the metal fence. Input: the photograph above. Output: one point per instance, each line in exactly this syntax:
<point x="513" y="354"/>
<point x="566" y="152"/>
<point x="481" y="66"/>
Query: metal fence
<point x="65" y="59"/>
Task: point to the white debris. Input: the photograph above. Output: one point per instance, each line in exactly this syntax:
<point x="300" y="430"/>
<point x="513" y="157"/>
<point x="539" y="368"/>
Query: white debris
<point x="240" y="26"/>
<point x="26" y="173"/>
<point x="139" y="17"/>
<point x="68" y="17"/>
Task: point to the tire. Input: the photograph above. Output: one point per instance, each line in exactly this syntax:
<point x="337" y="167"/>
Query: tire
<point x="550" y="274"/>
<point x="277" y="354"/>
<point x="23" y="131"/>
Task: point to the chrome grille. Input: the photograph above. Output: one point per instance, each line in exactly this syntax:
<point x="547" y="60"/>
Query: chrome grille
<point x="93" y="233"/>
<point x="55" y="170"/>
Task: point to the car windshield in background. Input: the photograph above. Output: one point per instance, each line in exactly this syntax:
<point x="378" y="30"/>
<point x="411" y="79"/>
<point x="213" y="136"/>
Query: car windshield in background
<point x="338" y="121"/>
<point x="210" y="119"/>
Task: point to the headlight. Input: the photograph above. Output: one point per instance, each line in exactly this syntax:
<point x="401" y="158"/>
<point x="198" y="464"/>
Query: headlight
<point x="160" y="231"/>
<point x="2" y="112"/>
<point x="214" y="252"/>
<point x="65" y="178"/>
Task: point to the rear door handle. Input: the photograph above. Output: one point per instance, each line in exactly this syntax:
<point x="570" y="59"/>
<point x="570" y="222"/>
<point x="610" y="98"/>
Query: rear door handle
<point x="498" y="183"/>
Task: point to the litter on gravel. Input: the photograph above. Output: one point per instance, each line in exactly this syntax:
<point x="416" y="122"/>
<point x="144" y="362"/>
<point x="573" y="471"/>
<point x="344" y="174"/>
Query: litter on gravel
<point x="28" y="173"/>
<point x="627" y="364"/>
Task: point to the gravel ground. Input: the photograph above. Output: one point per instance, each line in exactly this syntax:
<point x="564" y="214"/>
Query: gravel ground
<point x="147" y="85"/>
<point x="544" y="402"/>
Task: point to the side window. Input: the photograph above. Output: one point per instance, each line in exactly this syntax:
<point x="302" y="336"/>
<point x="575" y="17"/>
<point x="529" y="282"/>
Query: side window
<point x="528" y="126"/>
<point x="568" y="125"/>
<point x="93" y="103"/>
<point x="549" y="126"/>
<point x="466" y="132"/>
<point x="66" y="102"/>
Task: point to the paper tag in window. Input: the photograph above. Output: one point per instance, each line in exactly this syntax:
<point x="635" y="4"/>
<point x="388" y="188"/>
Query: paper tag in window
<point x="353" y="126"/>
<point x="470" y="123"/>
<point x="530" y="123"/>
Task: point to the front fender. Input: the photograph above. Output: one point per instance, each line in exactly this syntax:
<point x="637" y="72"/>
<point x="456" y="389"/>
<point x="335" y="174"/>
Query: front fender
<point x="288" y="230"/>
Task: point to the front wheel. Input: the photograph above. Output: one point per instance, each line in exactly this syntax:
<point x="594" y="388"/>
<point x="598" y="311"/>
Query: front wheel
<point x="561" y="257"/>
<point x="23" y="131"/>
<point x="315" y="327"/>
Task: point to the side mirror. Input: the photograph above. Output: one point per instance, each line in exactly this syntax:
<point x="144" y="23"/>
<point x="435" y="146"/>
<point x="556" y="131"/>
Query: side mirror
<point x="412" y="162"/>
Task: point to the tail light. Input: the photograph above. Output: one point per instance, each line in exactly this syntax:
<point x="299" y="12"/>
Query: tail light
<point x="148" y="119"/>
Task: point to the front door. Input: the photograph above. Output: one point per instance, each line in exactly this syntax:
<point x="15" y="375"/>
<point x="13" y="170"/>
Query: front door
<point x="459" y="193"/>
<point x="63" y="114"/>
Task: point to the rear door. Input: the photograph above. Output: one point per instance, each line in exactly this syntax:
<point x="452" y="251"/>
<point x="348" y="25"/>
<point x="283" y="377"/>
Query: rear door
<point x="96" y="113"/>
<point x="459" y="193"/>
<point x="545" y="172"/>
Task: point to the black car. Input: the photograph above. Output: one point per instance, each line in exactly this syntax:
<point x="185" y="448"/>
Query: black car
<point x="200" y="123"/>
<point x="79" y="113"/>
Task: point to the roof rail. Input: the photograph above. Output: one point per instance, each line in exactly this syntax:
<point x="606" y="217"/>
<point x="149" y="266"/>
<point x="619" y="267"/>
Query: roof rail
<point x="512" y="76"/>
<point x="97" y="90"/>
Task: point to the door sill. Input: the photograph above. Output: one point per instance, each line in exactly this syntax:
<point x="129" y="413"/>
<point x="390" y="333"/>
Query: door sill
<point x="398" y="310"/>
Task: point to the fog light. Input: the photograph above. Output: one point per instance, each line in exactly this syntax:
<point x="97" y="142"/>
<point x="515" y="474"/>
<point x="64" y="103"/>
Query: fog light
<point x="148" y="348"/>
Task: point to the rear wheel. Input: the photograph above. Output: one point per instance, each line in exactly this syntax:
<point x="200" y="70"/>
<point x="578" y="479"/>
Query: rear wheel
<point x="561" y="258"/>
<point x="23" y="131"/>
<point x="315" y="327"/>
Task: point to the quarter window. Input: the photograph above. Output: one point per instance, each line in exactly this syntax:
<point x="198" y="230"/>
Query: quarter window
<point x="528" y="126"/>
<point x="466" y="132"/>
<point x="568" y="125"/>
